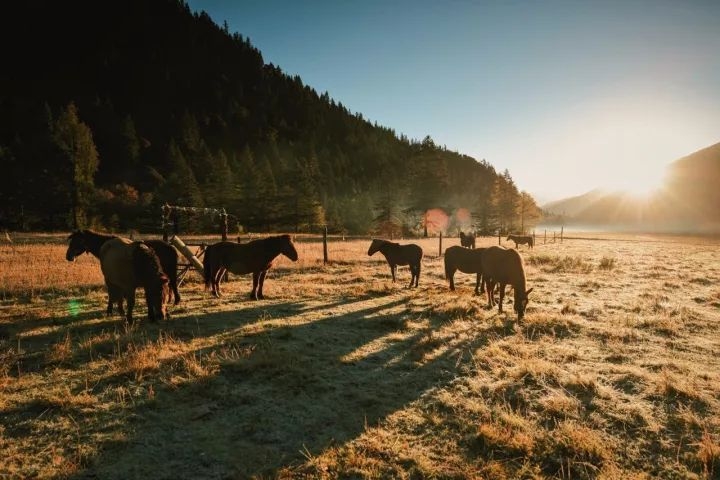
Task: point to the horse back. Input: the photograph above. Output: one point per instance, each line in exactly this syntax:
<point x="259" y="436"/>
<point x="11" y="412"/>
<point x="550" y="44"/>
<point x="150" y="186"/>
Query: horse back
<point x="464" y="259"/>
<point x="116" y="262"/>
<point x="503" y="265"/>
<point x="239" y="258"/>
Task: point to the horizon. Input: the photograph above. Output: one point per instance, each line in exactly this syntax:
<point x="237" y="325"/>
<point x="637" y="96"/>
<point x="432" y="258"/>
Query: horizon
<point x="583" y="91"/>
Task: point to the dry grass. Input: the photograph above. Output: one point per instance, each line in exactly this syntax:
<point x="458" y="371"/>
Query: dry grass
<point x="341" y="374"/>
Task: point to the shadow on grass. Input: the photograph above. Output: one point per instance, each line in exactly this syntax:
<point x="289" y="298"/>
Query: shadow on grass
<point x="301" y="388"/>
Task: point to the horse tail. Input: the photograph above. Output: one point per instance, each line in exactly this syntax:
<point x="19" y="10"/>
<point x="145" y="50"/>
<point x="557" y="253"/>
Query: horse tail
<point x="207" y="267"/>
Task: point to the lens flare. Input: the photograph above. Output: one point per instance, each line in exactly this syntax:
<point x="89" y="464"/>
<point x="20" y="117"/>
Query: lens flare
<point x="436" y="220"/>
<point x="74" y="307"/>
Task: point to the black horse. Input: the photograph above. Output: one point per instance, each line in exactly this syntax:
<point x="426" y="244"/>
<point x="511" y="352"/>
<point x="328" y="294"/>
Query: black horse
<point x="467" y="261"/>
<point x="397" y="254"/>
<point x="468" y="240"/>
<point x="89" y="241"/>
<point x="254" y="257"/>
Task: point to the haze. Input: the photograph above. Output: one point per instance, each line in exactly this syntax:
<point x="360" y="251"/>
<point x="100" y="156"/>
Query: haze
<point x="569" y="96"/>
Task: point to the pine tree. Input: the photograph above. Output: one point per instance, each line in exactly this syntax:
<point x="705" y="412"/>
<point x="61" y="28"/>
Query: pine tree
<point x="75" y="143"/>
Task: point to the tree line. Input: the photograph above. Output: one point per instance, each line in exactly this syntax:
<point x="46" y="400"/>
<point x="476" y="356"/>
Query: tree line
<point x="108" y="114"/>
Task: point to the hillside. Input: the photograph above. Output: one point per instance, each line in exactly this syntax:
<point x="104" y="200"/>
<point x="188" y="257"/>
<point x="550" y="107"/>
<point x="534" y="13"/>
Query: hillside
<point x="687" y="202"/>
<point x="110" y="110"/>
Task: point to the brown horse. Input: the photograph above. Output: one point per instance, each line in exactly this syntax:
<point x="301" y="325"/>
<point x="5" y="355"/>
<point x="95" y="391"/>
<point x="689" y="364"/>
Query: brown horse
<point x="521" y="239"/>
<point x="127" y="265"/>
<point x="397" y="254"/>
<point x="88" y="241"/>
<point x="254" y="257"/>
<point x="467" y="261"/>
<point x="504" y="266"/>
<point x="467" y="240"/>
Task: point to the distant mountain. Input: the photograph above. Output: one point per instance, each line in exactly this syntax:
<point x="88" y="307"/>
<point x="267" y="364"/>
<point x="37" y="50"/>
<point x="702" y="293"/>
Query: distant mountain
<point x="689" y="201"/>
<point x="573" y="205"/>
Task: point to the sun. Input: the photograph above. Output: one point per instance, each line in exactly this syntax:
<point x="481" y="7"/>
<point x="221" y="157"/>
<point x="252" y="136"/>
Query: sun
<point x="637" y="182"/>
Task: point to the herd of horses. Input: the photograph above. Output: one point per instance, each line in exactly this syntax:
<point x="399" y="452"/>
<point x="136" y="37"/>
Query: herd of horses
<point x="152" y="265"/>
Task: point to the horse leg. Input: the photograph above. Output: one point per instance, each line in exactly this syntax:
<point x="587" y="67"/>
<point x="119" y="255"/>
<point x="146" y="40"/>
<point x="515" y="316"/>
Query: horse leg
<point x="417" y="274"/>
<point x="215" y="282"/>
<point x="502" y="295"/>
<point x="130" y="305"/>
<point x="174" y="287"/>
<point x="261" y="282"/>
<point x="451" y="277"/>
<point x="478" y="281"/>
<point x="490" y="288"/>
<point x="393" y="268"/>
<point x="256" y="279"/>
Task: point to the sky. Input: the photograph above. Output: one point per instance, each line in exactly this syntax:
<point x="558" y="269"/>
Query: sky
<point x="569" y="96"/>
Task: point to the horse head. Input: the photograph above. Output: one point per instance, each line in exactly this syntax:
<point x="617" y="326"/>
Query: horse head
<point x="375" y="246"/>
<point x="521" y="301"/>
<point x="288" y="248"/>
<point x="77" y="245"/>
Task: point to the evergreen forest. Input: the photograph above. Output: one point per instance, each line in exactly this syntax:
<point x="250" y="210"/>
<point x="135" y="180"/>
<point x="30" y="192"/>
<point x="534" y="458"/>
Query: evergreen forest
<point x="110" y="110"/>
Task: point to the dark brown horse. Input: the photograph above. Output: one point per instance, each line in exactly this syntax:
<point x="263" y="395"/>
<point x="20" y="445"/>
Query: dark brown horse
<point x="254" y="257"/>
<point x="504" y="266"/>
<point x="150" y="276"/>
<point x="127" y="265"/>
<point x="521" y="239"/>
<point x="397" y="254"/>
<point x="467" y="261"/>
<point x="467" y="240"/>
<point x="88" y="241"/>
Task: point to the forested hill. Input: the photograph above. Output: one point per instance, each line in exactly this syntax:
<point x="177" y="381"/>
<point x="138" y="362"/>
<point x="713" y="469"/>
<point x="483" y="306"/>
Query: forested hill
<point x="110" y="109"/>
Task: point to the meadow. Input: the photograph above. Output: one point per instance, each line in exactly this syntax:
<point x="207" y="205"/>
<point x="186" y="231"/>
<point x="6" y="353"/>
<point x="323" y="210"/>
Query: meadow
<point x="613" y="373"/>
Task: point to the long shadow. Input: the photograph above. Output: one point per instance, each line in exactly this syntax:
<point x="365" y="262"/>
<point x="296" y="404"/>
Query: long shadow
<point x="303" y="388"/>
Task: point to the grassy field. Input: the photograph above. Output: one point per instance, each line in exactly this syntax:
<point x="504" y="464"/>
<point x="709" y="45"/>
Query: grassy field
<point x="613" y="373"/>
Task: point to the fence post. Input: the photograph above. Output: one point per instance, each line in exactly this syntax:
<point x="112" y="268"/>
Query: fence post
<point x="223" y="226"/>
<point x="534" y="242"/>
<point x="545" y="240"/>
<point x="561" y="233"/>
<point x="498" y="236"/>
<point x="554" y="237"/>
<point x="165" y="219"/>
<point x="325" y="254"/>
<point x="440" y="247"/>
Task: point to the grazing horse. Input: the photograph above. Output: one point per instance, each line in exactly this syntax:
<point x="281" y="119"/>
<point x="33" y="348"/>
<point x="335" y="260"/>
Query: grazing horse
<point x="254" y="257"/>
<point x="467" y="240"/>
<point x="397" y="254"/>
<point x="127" y="265"/>
<point x="521" y="239"/>
<point x="149" y="275"/>
<point x="504" y="266"/>
<point x="88" y="241"/>
<point x="467" y="261"/>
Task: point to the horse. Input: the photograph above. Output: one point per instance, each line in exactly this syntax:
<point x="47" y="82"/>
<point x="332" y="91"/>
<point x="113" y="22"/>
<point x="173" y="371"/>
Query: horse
<point x="467" y="240"/>
<point x="149" y="275"/>
<point x="397" y="254"/>
<point x="521" y="239"/>
<point x="504" y="266"/>
<point x="88" y="241"/>
<point x="254" y="257"/>
<point x="127" y="265"/>
<point x="467" y="261"/>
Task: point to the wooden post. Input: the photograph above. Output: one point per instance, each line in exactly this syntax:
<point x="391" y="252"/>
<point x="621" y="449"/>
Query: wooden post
<point x="165" y="220"/>
<point x="545" y="240"/>
<point x="175" y="240"/>
<point x="223" y="235"/>
<point x="223" y="225"/>
<point x="498" y="236"/>
<point x="554" y="237"/>
<point x="534" y="242"/>
<point x="325" y="255"/>
<point x="561" y="233"/>
<point x="440" y="246"/>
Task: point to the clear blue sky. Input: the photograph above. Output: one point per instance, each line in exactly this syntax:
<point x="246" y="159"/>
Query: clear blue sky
<point x="568" y="95"/>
